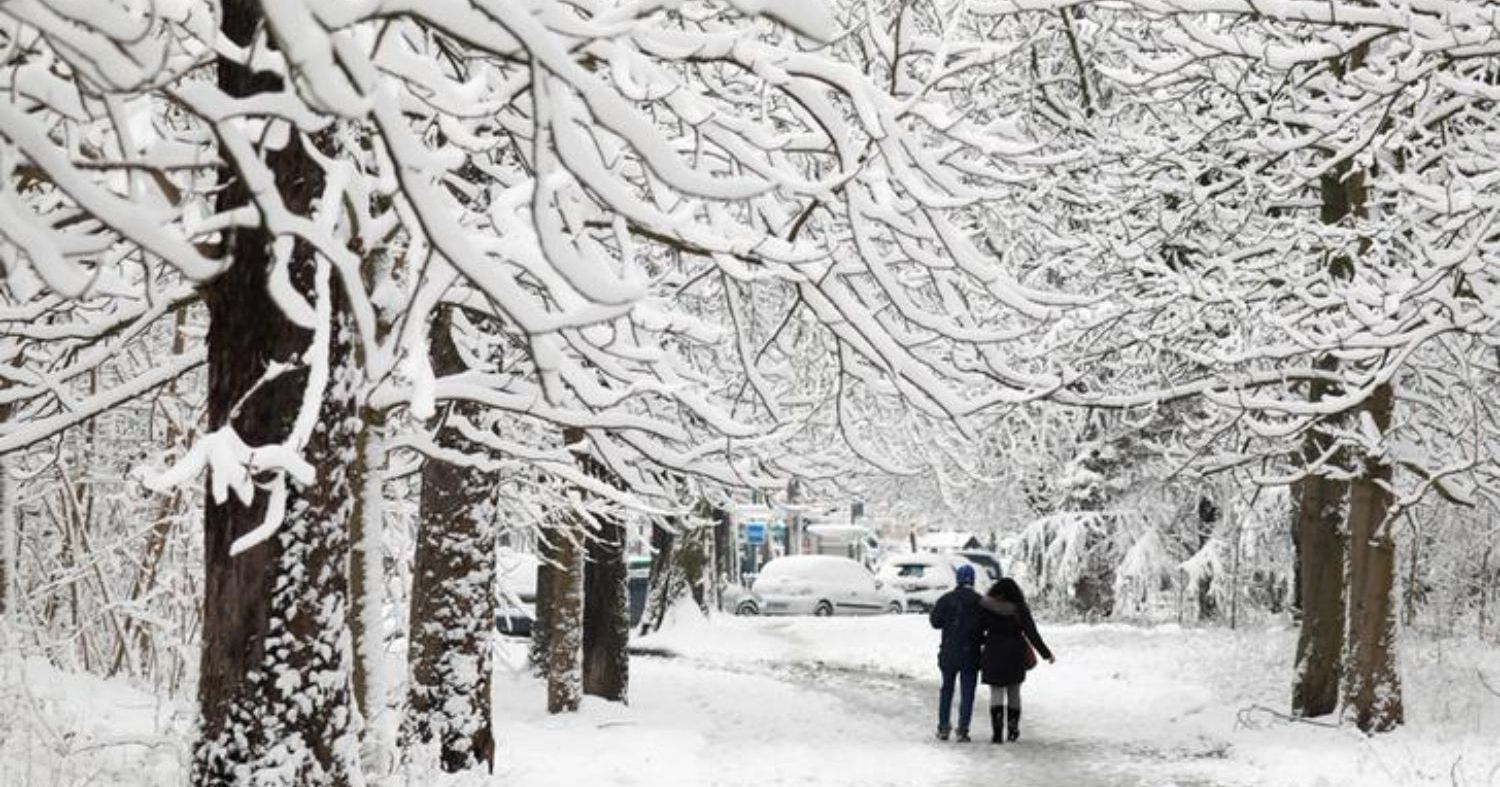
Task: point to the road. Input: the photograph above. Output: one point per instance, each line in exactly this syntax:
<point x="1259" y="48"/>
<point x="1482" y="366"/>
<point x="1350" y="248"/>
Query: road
<point x="902" y="707"/>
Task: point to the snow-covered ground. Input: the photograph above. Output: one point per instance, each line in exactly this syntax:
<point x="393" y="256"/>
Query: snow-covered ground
<point x="747" y="701"/>
<point x="852" y="701"/>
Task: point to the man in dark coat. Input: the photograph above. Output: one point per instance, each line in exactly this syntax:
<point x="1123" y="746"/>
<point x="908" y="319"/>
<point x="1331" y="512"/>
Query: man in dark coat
<point x="957" y="614"/>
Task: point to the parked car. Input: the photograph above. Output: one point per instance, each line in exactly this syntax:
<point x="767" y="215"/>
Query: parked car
<point x="738" y="599"/>
<point x="516" y="593"/>
<point x="822" y="585"/>
<point x="923" y="577"/>
<point x="986" y="560"/>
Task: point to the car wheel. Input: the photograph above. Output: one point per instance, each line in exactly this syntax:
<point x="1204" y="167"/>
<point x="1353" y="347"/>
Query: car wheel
<point x="893" y="609"/>
<point x="823" y="610"/>
<point x="747" y="608"/>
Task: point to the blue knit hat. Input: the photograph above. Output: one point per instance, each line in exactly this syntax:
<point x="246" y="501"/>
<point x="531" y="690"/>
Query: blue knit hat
<point x="965" y="575"/>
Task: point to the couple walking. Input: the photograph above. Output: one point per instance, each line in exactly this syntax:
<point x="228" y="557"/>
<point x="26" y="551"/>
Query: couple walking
<point x="993" y="634"/>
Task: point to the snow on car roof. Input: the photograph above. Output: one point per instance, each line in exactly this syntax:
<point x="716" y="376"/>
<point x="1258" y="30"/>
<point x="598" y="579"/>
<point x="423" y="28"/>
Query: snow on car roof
<point x="806" y="564"/>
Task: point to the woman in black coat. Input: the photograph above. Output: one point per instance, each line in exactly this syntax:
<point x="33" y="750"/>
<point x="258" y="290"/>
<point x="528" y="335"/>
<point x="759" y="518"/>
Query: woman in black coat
<point x="1008" y="627"/>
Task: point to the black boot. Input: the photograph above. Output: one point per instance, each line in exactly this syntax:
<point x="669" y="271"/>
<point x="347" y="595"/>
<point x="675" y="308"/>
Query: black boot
<point x="942" y="733"/>
<point x="997" y="713"/>
<point x="1013" y="718"/>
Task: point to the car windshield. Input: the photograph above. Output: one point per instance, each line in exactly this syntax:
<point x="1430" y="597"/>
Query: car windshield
<point x="910" y="569"/>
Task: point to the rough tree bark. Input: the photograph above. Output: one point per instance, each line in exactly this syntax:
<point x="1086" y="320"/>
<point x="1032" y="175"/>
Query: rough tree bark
<point x="274" y="687"/>
<point x="453" y="595"/>
<point x="1372" y="688"/>
<point x="559" y="618"/>
<point x="606" y="597"/>
<point x="1320" y="642"/>
<point x="606" y="613"/>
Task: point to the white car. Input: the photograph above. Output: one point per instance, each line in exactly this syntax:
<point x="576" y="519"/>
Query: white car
<point x="823" y="585"/>
<point x="924" y="576"/>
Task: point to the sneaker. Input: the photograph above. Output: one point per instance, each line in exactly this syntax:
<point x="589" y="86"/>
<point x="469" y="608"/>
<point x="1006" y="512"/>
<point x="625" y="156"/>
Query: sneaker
<point x="963" y="736"/>
<point x="942" y="734"/>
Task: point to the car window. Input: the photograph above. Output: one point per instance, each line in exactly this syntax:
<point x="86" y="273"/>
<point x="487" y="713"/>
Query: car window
<point x="911" y="570"/>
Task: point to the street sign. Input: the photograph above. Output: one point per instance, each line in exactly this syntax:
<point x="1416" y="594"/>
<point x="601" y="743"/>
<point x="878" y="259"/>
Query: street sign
<point x="755" y="532"/>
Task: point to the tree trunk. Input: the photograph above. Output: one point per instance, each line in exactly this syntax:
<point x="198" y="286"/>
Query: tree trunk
<point x="1320" y="642"/>
<point x="560" y="613"/>
<point x="274" y="686"/>
<point x="453" y="595"/>
<point x="606" y="595"/>
<point x="1413" y="579"/>
<point x="1320" y="501"/>
<point x="367" y="593"/>
<point x="1372" y="688"/>
<point x="725" y="570"/>
<point x="7" y="529"/>
<point x="9" y="543"/>
<point x="1296" y="534"/>
<point x="1485" y="591"/>
<point x="606" y="613"/>
<point x="660" y="588"/>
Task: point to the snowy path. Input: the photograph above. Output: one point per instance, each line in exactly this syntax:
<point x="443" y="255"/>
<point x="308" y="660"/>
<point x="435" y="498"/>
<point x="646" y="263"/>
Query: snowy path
<point x="1045" y="756"/>
<point x="853" y="701"/>
<point x="903" y="706"/>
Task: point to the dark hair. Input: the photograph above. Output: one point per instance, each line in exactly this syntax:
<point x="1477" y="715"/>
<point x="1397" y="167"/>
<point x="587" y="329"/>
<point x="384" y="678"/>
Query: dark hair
<point x="1007" y="590"/>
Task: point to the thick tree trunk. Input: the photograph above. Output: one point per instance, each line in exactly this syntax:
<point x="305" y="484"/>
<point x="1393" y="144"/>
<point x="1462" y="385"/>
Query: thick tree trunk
<point x="275" y="692"/>
<point x="453" y="593"/>
<point x="1320" y="642"/>
<point x="560" y="614"/>
<point x="1320" y="503"/>
<point x="274" y="686"/>
<point x="606" y="613"/>
<point x="1372" y="688"/>
<point x="1318" y="516"/>
<point x="606" y="593"/>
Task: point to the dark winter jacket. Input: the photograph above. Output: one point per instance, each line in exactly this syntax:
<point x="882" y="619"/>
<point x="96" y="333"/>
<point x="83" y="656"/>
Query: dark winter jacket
<point x="957" y="614"/>
<point x="1006" y="628"/>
